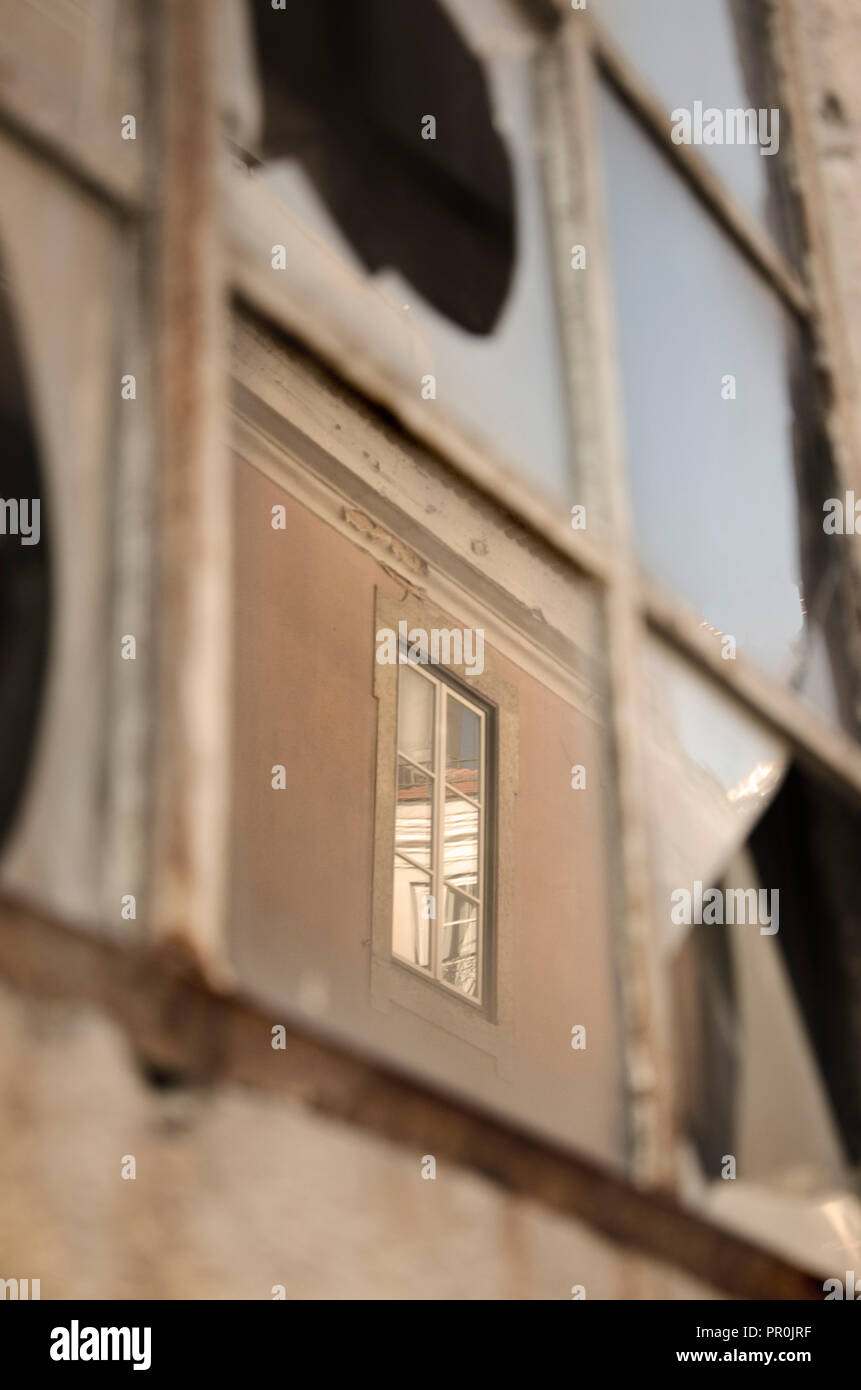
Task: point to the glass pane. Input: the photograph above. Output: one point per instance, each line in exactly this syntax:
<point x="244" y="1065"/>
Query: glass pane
<point x="460" y="850"/>
<point x="462" y="747"/>
<point x="414" y="813"/>
<point x="415" y="716"/>
<point x="459" y="965"/>
<point x="714" y="387"/>
<point x="711" y="53"/>
<point x="414" y="912"/>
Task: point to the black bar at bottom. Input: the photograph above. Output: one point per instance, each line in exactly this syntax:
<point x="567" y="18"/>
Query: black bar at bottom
<point x="158" y="1338"/>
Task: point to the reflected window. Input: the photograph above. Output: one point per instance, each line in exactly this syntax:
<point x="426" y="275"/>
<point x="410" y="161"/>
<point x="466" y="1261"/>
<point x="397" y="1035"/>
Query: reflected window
<point x="440" y="833"/>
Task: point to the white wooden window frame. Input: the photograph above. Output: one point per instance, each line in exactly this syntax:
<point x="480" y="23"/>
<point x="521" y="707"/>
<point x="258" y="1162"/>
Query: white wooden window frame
<point x="439" y="883"/>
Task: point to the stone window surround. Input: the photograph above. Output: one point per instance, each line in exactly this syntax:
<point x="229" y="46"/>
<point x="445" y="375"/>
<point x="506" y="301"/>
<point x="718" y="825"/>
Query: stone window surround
<point x="391" y="982"/>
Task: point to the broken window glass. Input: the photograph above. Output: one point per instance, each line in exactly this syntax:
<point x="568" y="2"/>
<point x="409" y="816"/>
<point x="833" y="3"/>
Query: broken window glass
<point x="406" y="139"/>
<point x="711" y="768"/>
<point x="769" y="1031"/>
<point x="806" y="846"/>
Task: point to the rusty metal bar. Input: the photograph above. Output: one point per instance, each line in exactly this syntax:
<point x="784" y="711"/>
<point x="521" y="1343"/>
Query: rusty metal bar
<point x="194" y="505"/>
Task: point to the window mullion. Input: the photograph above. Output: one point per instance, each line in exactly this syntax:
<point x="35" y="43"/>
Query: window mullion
<point x="438" y="840"/>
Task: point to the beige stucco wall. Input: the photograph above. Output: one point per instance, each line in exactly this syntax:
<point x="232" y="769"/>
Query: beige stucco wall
<point x="303" y="857"/>
<point x="236" y="1192"/>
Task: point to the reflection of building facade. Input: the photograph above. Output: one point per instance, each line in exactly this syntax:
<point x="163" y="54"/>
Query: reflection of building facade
<point x="322" y="362"/>
<point x="440" y="847"/>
